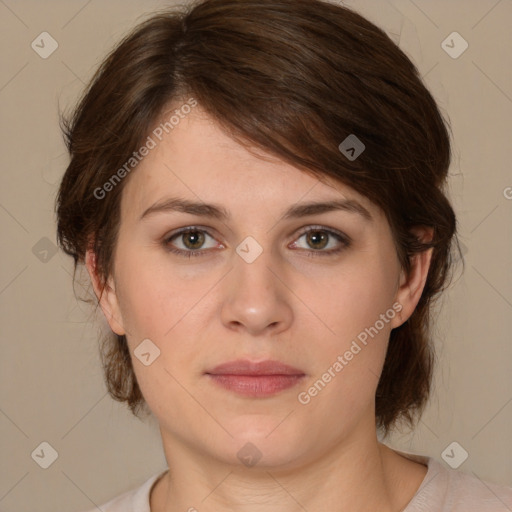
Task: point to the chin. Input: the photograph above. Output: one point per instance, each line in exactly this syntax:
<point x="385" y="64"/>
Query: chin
<point x="263" y="441"/>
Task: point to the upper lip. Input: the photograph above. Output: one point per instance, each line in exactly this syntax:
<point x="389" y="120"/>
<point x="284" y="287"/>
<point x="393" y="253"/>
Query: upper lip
<point x="246" y="367"/>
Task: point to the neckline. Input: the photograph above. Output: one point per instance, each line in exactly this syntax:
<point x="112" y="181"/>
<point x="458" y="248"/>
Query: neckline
<point x="433" y="469"/>
<point x="144" y="495"/>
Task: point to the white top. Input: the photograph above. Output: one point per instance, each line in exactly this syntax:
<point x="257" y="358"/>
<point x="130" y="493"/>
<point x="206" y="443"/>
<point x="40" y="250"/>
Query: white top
<point x="442" y="490"/>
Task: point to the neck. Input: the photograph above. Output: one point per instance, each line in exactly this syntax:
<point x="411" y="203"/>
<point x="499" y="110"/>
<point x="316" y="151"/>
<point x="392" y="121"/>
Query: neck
<point x="337" y="480"/>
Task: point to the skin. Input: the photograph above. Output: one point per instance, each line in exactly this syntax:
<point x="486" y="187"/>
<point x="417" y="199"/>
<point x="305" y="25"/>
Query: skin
<point x="304" y="311"/>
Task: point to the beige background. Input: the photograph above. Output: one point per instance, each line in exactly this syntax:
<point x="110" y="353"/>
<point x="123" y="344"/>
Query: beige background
<point x="51" y="382"/>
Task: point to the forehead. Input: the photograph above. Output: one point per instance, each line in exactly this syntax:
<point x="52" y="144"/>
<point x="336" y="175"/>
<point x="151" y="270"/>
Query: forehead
<point x="198" y="160"/>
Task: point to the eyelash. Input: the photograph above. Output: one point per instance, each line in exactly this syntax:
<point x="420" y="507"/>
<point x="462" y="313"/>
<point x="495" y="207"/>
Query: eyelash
<point x="344" y="239"/>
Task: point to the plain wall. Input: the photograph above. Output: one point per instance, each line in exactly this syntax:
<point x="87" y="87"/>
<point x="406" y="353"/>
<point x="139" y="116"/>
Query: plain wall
<point x="51" y="382"/>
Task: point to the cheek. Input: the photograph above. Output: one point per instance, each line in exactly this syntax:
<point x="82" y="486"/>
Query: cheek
<point x="354" y="299"/>
<point x="152" y="298"/>
<point x="163" y="304"/>
<point x="357" y="305"/>
<point x="158" y="305"/>
<point x="342" y="387"/>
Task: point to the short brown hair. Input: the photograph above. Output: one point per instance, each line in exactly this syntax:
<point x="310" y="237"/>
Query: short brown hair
<point x="294" y="77"/>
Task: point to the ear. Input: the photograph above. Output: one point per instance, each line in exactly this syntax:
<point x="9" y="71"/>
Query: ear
<point x="106" y="295"/>
<point x="411" y="286"/>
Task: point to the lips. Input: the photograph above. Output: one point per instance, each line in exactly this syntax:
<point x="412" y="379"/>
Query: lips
<point x="245" y="367"/>
<point x="256" y="380"/>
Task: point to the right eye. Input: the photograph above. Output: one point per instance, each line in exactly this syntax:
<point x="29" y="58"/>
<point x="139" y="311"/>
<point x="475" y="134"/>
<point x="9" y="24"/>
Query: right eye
<point x="192" y="239"/>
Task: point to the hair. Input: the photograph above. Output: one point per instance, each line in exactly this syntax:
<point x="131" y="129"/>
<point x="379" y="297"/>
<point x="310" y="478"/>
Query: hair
<point x="294" y="78"/>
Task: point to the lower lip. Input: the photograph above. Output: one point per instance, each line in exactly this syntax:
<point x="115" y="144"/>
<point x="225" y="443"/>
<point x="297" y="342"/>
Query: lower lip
<point x="256" y="385"/>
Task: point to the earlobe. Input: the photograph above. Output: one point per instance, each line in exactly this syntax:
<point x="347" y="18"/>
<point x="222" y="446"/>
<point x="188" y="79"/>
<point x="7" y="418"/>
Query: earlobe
<point x="105" y="294"/>
<point x="411" y="286"/>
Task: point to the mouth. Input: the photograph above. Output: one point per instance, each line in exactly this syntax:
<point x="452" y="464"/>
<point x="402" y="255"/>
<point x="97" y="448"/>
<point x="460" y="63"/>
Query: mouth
<point x="263" y="379"/>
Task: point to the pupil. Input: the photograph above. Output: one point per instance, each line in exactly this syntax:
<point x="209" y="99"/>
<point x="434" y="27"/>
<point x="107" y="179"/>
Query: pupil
<point x="192" y="235"/>
<point x="318" y="236"/>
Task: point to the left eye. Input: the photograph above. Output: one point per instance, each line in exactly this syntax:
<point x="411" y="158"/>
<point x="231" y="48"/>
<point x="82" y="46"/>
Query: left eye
<point x="316" y="237"/>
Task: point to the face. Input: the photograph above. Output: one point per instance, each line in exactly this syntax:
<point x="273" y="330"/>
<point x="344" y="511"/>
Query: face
<point x="319" y="291"/>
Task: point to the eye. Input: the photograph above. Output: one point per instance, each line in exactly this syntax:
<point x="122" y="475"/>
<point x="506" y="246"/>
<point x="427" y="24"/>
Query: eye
<point x="319" y="237"/>
<point x="192" y="238"/>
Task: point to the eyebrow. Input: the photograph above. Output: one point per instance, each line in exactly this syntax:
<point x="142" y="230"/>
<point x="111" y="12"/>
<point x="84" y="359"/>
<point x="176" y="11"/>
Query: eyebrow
<point x="174" y="204"/>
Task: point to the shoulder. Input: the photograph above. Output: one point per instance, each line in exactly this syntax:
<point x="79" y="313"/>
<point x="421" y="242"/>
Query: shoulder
<point x="448" y="490"/>
<point x="134" y="500"/>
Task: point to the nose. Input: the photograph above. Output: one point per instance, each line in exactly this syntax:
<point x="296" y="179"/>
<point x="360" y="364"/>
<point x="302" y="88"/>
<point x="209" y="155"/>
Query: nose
<point x="256" y="298"/>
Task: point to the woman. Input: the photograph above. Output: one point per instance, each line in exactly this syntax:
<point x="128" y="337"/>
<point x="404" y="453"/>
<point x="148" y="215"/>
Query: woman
<point x="256" y="190"/>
